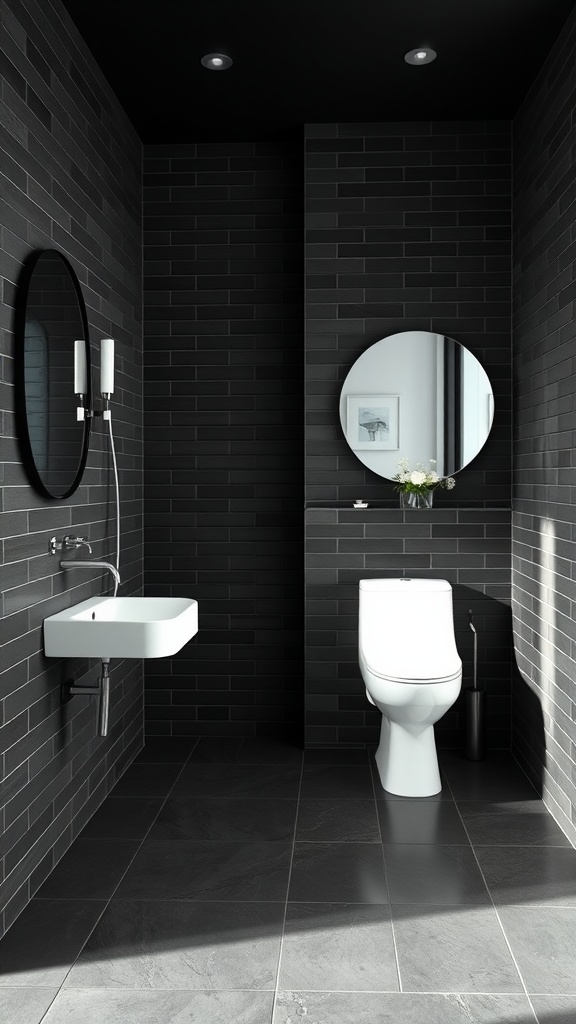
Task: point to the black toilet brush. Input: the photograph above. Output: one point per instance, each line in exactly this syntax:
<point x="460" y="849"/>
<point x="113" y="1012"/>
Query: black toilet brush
<point x="474" y="705"/>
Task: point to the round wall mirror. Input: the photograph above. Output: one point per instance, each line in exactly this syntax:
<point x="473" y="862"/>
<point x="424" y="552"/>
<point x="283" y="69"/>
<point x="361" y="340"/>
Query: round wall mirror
<point x="51" y="317"/>
<point x="418" y="396"/>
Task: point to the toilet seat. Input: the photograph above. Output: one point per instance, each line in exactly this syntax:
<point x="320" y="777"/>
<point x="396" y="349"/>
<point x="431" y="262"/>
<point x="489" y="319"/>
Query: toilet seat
<point x="414" y="682"/>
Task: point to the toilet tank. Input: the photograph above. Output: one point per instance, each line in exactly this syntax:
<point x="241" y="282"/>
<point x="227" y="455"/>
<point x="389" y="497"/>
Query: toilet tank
<point x="406" y="628"/>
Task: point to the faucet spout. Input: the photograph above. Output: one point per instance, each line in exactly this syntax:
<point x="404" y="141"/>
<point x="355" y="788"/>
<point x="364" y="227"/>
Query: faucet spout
<point x="79" y="564"/>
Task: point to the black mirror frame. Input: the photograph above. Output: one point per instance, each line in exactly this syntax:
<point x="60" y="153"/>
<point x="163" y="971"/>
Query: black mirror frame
<point x="23" y="287"/>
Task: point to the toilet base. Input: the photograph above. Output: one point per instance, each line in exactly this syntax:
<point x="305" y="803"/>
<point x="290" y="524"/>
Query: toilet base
<point x="406" y="759"/>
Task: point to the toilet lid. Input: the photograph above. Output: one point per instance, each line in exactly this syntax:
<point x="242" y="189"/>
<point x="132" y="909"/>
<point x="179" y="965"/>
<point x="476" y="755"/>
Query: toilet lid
<point x="408" y="636"/>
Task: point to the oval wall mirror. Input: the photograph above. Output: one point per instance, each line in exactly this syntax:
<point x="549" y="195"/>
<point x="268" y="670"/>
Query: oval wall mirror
<point x="51" y="316"/>
<point x="418" y="396"/>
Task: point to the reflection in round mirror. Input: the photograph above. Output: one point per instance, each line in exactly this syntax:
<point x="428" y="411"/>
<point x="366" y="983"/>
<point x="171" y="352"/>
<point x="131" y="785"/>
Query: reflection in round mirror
<point x="417" y="396"/>
<point x="51" y="317"/>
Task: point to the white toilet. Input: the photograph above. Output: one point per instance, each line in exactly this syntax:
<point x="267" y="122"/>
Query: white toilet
<point x="413" y="674"/>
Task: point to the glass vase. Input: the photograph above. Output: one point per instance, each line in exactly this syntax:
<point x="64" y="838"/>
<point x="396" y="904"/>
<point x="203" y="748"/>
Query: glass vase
<point x="417" y="499"/>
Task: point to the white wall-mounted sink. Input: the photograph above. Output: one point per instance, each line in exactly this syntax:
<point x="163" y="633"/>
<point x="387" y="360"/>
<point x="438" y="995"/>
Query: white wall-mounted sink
<point x="121" y="627"/>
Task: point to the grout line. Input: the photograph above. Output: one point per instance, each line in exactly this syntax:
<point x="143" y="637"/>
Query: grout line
<point x="373" y="770"/>
<point x="281" y="947"/>
<point x="494" y="907"/>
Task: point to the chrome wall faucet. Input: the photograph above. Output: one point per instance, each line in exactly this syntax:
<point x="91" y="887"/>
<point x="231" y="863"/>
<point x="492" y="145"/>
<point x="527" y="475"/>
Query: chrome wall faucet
<point x="78" y="564"/>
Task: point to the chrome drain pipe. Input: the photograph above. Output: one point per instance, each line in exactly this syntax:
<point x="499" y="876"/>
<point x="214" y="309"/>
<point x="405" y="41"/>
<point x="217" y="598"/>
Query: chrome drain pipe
<point x="102" y="691"/>
<point x="104" y="704"/>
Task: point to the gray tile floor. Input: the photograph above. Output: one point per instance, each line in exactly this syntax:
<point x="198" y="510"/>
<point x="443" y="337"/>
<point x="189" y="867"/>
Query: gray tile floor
<point x="248" y="882"/>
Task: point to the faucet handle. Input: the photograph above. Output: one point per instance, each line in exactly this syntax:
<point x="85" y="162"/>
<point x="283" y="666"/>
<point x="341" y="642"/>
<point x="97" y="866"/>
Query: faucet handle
<point x="69" y="542"/>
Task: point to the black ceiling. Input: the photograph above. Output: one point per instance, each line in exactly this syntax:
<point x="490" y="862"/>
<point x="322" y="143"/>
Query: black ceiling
<point x="312" y="61"/>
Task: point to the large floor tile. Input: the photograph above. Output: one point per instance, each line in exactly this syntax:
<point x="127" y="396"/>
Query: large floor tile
<point x="405" y="1008"/>
<point x="152" y="780"/>
<point x="452" y="949"/>
<point x="166" y="750"/>
<point x="198" y="870"/>
<point x="45" y="940"/>
<point x="509" y="823"/>
<point x="422" y="821"/>
<point x="543" y="941"/>
<point x="126" y="818"/>
<point x="332" y="820"/>
<point x="530" y="875"/>
<point x="220" y="818"/>
<point x="338" y="946"/>
<point x="91" y="869"/>
<point x="338" y="873"/>
<point x="337" y="755"/>
<point x="216" y="750"/>
<point x="242" y="780"/>
<point x="555" y="1009"/>
<point x="270" y="751"/>
<point x="337" y="782"/>
<point x="433" y="874"/>
<point x="182" y="945"/>
<point x="25" y="1005"/>
<point x="161" y="1008"/>
<point x="498" y="778"/>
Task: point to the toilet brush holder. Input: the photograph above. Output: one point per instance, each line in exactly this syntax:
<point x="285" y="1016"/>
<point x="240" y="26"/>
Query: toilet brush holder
<point x="474" y="707"/>
<point x="475" y="701"/>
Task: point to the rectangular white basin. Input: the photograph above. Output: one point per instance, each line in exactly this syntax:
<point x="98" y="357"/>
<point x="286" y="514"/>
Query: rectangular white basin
<point x="121" y="627"/>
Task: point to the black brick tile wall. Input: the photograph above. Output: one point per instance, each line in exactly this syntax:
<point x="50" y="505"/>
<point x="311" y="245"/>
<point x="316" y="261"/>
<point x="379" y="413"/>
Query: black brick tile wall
<point x="469" y="548"/>
<point x="223" y="432"/>
<point x="70" y="172"/>
<point x="408" y="227"/>
<point x="544" y="521"/>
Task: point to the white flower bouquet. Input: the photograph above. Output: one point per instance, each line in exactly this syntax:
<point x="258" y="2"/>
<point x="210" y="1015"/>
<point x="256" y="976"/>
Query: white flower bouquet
<point x="420" y="482"/>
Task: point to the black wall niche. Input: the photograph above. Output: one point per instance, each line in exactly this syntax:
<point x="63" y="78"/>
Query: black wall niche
<point x="70" y="173"/>
<point x="223" y="432"/>
<point x="544" y="517"/>
<point x="408" y="227"/>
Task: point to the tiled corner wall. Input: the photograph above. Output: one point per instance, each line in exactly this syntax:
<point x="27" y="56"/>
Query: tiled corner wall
<point x="70" y="171"/>
<point x="407" y="228"/>
<point x="223" y="432"/>
<point x="544" y="520"/>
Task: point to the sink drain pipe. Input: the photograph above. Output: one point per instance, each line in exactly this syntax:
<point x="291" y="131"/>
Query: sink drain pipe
<point x="102" y="691"/>
<point x="475" y="700"/>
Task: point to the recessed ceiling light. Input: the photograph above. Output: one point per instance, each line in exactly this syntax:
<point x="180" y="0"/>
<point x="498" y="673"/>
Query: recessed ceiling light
<point x="422" y="55"/>
<point x="216" y="61"/>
